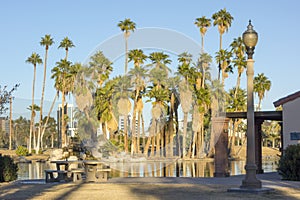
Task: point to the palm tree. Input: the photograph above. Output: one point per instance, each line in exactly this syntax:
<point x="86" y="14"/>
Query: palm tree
<point x="203" y="66"/>
<point x="126" y="26"/>
<point x="261" y="84"/>
<point x="64" y="74"/>
<point x="238" y="48"/>
<point x="45" y="41"/>
<point x="35" y="60"/>
<point x="66" y="43"/>
<point x="236" y="102"/>
<point x="35" y="109"/>
<point x="184" y="70"/>
<point x="137" y="74"/>
<point x="223" y="19"/>
<point x="224" y="58"/>
<point x="203" y="24"/>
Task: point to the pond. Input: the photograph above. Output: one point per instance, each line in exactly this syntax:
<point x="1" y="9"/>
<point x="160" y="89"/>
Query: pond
<point x="35" y="170"/>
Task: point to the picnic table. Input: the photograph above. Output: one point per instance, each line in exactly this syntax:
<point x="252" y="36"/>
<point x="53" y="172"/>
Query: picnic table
<point x="94" y="171"/>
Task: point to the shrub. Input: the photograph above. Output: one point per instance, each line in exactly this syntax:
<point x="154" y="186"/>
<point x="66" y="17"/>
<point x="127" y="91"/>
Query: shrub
<point x="8" y="169"/>
<point x="22" y="151"/>
<point x="289" y="163"/>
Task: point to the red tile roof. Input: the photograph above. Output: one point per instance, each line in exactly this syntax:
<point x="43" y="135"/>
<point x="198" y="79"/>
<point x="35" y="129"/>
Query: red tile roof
<point x="286" y="99"/>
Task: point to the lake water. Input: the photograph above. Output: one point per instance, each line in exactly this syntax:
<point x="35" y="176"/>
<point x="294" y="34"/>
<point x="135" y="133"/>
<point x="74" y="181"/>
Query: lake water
<point x="35" y="170"/>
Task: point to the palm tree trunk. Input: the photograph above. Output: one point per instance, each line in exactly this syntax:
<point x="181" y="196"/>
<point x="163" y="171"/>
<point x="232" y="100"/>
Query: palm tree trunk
<point x="143" y="131"/>
<point x="202" y="43"/>
<point x="125" y="134"/>
<point x="32" y="110"/>
<point x="63" y="128"/>
<point x="139" y="132"/>
<point x="185" y="118"/>
<point x="126" y="52"/>
<point x="42" y="98"/>
<point x="238" y="82"/>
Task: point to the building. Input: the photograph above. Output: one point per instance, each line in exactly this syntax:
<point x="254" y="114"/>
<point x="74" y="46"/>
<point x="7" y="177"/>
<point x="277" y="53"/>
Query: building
<point x="291" y="118"/>
<point x="71" y="124"/>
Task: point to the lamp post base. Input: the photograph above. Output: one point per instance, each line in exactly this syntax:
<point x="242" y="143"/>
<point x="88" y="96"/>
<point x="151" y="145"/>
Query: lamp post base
<point x="250" y="181"/>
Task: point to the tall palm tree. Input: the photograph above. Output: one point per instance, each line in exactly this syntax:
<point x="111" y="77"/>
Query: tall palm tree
<point x="261" y="84"/>
<point x="137" y="74"/>
<point x="126" y="26"/>
<point x="45" y="41"/>
<point x="184" y="69"/>
<point x="223" y="20"/>
<point x="203" y="24"/>
<point x="35" y="109"/>
<point x="35" y="60"/>
<point x="64" y="74"/>
<point x="239" y="61"/>
<point x="66" y="43"/>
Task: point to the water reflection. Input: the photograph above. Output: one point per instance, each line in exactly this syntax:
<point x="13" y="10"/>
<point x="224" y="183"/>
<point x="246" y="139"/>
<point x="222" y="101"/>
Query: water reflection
<point x="35" y="170"/>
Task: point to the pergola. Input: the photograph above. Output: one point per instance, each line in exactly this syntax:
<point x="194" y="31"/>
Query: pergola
<point x="259" y="118"/>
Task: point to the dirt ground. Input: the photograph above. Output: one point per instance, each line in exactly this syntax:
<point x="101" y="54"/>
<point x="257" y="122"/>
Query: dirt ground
<point x="118" y="191"/>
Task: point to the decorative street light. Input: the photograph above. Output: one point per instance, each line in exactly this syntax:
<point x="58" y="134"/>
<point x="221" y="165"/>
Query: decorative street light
<point x="250" y="38"/>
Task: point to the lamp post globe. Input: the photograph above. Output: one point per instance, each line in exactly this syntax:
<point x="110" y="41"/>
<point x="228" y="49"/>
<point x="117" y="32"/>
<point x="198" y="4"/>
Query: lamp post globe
<point x="250" y="38"/>
<point x="250" y="182"/>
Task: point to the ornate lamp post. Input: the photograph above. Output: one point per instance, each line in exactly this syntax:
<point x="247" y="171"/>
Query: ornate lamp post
<point x="250" y="38"/>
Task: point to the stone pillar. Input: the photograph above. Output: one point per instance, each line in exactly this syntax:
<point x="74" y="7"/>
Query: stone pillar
<point x="220" y="128"/>
<point x="258" y="146"/>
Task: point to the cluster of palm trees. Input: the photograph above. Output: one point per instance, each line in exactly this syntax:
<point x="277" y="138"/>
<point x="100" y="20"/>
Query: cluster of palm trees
<point x="62" y="73"/>
<point x="102" y="100"/>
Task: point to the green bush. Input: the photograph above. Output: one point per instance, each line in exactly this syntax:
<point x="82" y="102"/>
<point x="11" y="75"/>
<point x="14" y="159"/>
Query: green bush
<point x="289" y="163"/>
<point x="22" y="151"/>
<point x="8" y="169"/>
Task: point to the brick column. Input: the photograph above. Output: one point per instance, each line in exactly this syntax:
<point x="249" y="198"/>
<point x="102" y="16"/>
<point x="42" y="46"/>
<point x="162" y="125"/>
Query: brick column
<point x="220" y="127"/>
<point x="258" y="146"/>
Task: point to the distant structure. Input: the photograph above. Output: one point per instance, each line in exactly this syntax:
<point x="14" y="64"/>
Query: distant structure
<point x="71" y="124"/>
<point x="291" y="118"/>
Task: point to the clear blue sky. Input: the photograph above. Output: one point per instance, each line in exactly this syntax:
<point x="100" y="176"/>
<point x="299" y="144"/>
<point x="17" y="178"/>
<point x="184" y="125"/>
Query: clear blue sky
<point x="89" y="23"/>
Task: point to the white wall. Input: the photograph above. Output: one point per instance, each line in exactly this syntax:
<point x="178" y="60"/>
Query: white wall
<point x="291" y="121"/>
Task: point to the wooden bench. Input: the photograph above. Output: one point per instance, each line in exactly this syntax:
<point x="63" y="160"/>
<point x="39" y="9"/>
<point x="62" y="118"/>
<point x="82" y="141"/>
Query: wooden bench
<point x="102" y="174"/>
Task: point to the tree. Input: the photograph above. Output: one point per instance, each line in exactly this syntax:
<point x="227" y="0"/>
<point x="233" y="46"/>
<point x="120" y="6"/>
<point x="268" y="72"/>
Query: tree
<point x="203" y="24"/>
<point x="5" y="94"/>
<point x="66" y="43"/>
<point x="137" y="75"/>
<point x="261" y="84"/>
<point x="35" y="60"/>
<point x="64" y="74"/>
<point x="223" y="20"/>
<point x="126" y="26"/>
<point x="239" y="61"/>
<point x="45" y="41"/>
<point x="184" y="70"/>
<point x="224" y="58"/>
